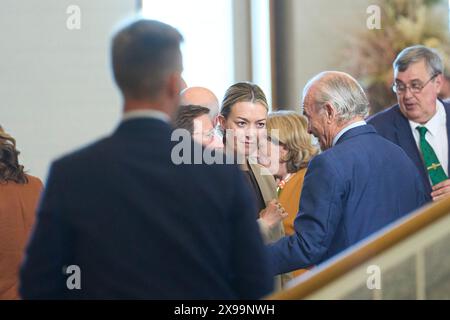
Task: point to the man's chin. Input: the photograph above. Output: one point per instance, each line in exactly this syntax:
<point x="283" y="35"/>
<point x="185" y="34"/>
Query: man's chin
<point x="410" y="111"/>
<point x="414" y="116"/>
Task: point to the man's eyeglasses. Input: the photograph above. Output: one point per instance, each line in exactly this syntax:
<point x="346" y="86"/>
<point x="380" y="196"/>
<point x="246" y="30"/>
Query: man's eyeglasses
<point x="415" y="87"/>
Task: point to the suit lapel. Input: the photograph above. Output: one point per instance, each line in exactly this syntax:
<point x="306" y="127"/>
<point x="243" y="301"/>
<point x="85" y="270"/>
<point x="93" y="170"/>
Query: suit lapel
<point x="265" y="180"/>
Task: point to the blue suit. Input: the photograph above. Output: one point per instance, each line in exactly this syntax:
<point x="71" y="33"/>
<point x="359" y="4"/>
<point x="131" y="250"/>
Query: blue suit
<point x="394" y="126"/>
<point x="350" y="191"/>
<point x="140" y="227"/>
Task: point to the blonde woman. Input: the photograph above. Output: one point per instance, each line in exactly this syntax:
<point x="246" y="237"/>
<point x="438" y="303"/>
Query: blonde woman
<point x="243" y="118"/>
<point x="292" y="150"/>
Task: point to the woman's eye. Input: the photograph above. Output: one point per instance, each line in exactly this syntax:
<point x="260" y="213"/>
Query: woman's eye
<point x="241" y="124"/>
<point x="261" y="125"/>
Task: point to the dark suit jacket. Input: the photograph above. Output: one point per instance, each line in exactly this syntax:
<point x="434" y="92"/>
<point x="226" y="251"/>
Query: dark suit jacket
<point x="350" y="191"/>
<point x="394" y="126"/>
<point x="140" y="227"/>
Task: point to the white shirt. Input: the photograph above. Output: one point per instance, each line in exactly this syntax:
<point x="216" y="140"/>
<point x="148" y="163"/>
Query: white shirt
<point x="351" y="126"/>
<point x="152" y="114"/>
<point x="436" y="134"/>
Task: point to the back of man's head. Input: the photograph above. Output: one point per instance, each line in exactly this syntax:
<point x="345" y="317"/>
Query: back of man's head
<point x="144" y="54"/>
<point x="342" y="91"/>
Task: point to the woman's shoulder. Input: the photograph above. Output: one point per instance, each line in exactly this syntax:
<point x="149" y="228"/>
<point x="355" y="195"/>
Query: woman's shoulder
<point x="300" y="175"/>
<point x="34" y="181"/>
<point x="31" y="188"/>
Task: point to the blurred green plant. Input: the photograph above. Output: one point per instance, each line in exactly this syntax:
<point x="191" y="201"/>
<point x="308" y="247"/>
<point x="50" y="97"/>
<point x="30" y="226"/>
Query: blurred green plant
<point x="369" y="54"/>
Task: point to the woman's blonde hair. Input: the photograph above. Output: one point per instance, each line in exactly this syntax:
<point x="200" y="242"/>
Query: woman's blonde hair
<point x="293" y="135"/>
<point x="242" y="92"/>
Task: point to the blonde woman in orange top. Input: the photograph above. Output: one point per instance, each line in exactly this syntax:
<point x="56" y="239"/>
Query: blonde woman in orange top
<point x="19" y="194"/>
<point x="287" y="158"/>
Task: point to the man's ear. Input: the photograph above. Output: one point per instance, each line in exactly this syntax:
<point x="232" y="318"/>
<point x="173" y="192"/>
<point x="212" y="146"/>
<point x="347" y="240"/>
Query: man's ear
<point x="216" y="120"/>
<point x="221" y="120"/>
<point x="174" y="83"/>
<point x="330" y="112"/>
<point x="438" y="82"/>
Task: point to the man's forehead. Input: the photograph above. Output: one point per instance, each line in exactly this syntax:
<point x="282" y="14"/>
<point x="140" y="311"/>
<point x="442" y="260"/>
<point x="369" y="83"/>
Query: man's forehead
<point x="416" y="70"/>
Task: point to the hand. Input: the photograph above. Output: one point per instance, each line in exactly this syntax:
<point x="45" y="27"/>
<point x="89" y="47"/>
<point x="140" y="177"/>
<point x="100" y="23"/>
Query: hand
<point x="273" y="213"/>
<point x="441" y="190"/>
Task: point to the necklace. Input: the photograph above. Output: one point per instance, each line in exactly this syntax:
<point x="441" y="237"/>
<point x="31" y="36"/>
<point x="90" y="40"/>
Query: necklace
<point x="283" y="182"/>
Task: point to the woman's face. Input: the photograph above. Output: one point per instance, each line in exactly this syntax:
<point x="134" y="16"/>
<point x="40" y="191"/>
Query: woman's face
<point x="271" y="155"/>
<point x="245" y="125"/>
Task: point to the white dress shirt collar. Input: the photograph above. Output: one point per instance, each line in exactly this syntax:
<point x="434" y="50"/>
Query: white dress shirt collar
<point x="347" y="128"/>
<point x="437" y="121"/>
<point x="436" y="134"/>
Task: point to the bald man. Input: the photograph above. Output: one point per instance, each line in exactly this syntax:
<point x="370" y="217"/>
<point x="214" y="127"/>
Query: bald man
<point x="206" y="98"/>
<point x="201" y="97"/>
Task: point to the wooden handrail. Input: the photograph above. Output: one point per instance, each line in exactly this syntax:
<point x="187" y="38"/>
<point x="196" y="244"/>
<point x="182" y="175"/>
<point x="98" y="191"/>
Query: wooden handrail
<point x="355" y="256"/>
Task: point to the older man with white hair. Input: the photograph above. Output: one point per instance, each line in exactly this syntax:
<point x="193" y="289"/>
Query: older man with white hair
<point x="359" y="184"/>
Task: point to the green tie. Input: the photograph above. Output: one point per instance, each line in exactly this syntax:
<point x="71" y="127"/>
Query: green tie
<point x="432" y="163"/>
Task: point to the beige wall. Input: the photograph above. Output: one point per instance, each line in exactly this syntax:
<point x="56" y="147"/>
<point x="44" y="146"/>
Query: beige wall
<point x="55" y="84"/>
<point x="56" y="87"/>
<point x="314" y="32"/>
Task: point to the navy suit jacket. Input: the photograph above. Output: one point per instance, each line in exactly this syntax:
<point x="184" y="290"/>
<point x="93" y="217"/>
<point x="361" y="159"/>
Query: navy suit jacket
<point x="140" y="227"/>
<point x="394" y="126"/>
<point x="350" y="191"/>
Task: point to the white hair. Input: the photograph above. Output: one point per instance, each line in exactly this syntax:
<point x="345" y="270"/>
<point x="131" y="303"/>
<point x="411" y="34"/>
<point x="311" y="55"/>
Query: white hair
<point x="340" y="90"/>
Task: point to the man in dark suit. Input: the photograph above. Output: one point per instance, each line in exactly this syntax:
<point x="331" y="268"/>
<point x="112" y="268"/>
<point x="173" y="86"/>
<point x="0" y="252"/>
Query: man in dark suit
<point x="358" y="185"/>
<point x="120" y="220"/>
<point x="420" y="122"/>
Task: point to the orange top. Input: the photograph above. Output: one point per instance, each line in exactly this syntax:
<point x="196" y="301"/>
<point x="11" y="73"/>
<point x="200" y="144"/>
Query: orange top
<point x="18" y="204"/>
<point x="290" y="200"/>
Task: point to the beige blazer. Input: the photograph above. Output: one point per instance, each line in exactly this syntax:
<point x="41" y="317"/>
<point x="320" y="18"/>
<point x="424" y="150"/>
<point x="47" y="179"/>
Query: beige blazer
<point x="268" y="188"/>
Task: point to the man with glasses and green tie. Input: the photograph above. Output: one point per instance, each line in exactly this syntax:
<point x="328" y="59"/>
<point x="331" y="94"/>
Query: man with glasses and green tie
<point x="420" y="122"/>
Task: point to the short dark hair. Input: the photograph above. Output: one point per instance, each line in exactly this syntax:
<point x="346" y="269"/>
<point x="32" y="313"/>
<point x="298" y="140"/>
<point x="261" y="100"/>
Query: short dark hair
<point x="186" y="114"/>
<point x="143" y="54"/>
<point x="10" y="169"/>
